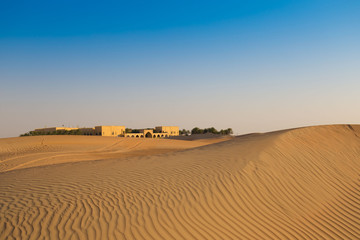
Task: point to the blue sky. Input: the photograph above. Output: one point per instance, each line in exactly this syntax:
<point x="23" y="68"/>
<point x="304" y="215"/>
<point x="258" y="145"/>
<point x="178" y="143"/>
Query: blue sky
<point x="250" y="65"/>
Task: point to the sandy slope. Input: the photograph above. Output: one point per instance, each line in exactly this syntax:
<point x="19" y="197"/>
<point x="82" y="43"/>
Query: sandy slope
<point x="293" y="184"/>
<point x="25" y="152"/>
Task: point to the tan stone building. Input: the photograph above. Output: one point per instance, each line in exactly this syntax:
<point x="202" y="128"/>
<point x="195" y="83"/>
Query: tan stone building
<point x="119" y="131"/>
<point x="171" y="130"/>
<point x="53" y="129"/>
<point x="113" y="131"/>
<point x="157" y="132"/>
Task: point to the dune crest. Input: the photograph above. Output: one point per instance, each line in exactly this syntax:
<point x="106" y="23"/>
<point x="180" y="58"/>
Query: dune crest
<point x="294" y="184"/>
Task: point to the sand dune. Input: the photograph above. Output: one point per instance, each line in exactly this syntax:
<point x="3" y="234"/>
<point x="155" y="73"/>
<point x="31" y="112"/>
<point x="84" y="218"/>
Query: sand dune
<point x="293" y="184"/>
<point x="17" y="153"/>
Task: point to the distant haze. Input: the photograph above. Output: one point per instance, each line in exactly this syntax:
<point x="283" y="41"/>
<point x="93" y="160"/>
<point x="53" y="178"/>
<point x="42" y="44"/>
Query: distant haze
<point x="254" y="66"/>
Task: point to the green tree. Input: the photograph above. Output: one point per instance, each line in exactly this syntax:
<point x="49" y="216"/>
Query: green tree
<point x="197" y="130"/>
<point x="211" y="130"/>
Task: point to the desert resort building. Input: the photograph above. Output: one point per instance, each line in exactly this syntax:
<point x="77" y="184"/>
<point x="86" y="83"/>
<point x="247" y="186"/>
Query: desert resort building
<point x="119" y="131"/>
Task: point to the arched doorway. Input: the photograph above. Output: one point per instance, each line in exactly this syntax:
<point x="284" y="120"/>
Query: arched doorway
<point x="148" y="135"/>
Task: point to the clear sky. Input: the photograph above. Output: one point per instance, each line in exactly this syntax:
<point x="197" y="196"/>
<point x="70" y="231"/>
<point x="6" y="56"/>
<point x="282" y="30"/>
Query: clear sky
<point x="254" y="65"/>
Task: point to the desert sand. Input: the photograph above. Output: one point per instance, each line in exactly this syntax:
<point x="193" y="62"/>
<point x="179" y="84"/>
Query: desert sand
<point x="293" y="184"/>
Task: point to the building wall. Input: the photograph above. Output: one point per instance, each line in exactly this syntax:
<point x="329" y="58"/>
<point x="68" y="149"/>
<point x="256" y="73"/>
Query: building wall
<point x="87" y="131"/>
<point x="171" y="130"/>
<point x="111" y="131"/>
<point x="134" y="135"/>
<point x="148" y="134"/>
<point x="146" y="131"/>
<point x="160" y="135"/>
<point x="53" y="129"/>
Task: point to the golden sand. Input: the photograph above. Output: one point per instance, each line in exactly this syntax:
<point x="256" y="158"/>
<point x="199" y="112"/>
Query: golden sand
<point x="293" y="184"/>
